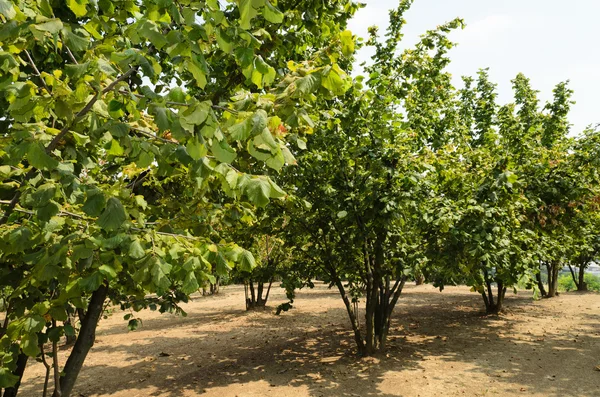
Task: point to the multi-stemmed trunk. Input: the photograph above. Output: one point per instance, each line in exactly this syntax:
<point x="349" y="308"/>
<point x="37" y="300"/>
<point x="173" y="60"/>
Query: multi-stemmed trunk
<point x="254" y="297"/>
<point x="553" y="269"/>
<point x="212" y="288"/>
<point x="493" y="303"/>
<point x="381" y="297"/>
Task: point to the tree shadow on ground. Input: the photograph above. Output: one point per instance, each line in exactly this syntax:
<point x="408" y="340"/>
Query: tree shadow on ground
<point x="314" y="353"/>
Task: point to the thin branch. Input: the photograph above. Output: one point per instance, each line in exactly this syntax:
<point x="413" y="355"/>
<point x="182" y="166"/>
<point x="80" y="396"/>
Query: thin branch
<point x="171" y="103"/>
<point x="61" y="213"/>
<point x="167" y="234"/>
<point x="37" y="72"/>
<point x="52" y="145"/>
<point x="71" y="55"/>
<point x="151" y="135"/>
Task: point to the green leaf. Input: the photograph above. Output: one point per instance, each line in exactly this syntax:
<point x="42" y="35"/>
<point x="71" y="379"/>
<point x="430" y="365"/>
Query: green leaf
<point x="37" y="157"/>
<point x="347" y="43"/>
<point x="78" y="7"/>
<point x="113" y="216"/>
<point x="76" y="43"/>
<point x="108" y="271"/>
<point x="190" y="283"/>
<point x="258" y="191"/>
<point x="46" y="212"/>
<point x="150" y="31"/>
<point x="8" y="10"/>
<point x="7" y="378"/>
<point x="52" y="26"/>
<point x="198" y="73"/>
<point x="160" y="270"/>
<point x="43" y="194"/>
<point x="34" y="323"/>
<point x="95" y="203"/>
<point x="223" y="152"/>
<point x="307" y="85"/>
<point x="136" y="250"/>
<point x="195" y="149"/>
<point x="92" y="282"/>
<point x="271" y="13"/>
<point x="29" y="344"/>
<point x="246" y="261"/>
<point x="115" y="149"/>
<point x="248" y="11"/>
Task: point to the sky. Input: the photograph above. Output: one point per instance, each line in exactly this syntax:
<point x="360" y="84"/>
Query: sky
<point x="548" y="40"/>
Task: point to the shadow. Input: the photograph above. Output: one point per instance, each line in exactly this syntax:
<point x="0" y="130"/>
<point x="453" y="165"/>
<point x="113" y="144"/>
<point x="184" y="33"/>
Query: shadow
<point x="439" y="344"/>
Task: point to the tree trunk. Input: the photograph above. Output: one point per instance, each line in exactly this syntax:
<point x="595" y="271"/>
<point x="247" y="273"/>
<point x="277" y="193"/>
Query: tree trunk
<point x="85" y="341"/>
<point x="553" y="270"/>
<point x="256" y="300"/>
<point x="575" y="279"/>
<point x="419" y="279"/>
<point x="19" y="371"/>
<point x="582" y="285"/>
<point x="494" y="306"/>
<point x="360" y="345"/>
<point x="540" y="284"/>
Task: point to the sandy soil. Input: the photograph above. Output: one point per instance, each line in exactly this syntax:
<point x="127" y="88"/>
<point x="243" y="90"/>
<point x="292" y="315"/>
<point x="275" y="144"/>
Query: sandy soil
<point x="440" y="345"/>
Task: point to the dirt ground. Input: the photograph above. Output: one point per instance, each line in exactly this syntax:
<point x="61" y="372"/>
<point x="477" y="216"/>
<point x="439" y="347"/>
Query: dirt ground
<point x="440" y="345"/>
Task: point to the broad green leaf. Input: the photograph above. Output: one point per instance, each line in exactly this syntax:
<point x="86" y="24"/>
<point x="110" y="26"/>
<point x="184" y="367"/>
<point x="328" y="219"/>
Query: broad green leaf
<point x="258" y="191"/>
<point x="113" y="216"/>
<point x="271" y="13"/>
<point x="248" y="10"/>
<point x="95" y="203"/>
<point x="7" y="9"/>
<point x="246" y="261"/>
<point x="52" y="26"/>
<point x="223" y="152"/>
<point x="7" y="378"/>
<point x="78" y="7"/>
<point x="75" y="42"/>
<point x="190" y="283"/>
<point x="115" y="149"/>
<point x="136" y="250"/>
<point x="92" y="282"/>
<point x="29" y="344"/>
<point x="34" y="323"/>
<point x="43" y="194"/>
<point x="160" y="270"/>
<point x="195" y="149"/>
<point x="347" y="43"/>
<point x="108" y="272"/>
<point x="38" y="158"/>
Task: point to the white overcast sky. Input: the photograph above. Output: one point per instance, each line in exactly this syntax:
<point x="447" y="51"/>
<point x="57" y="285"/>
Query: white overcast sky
<point x="548" y="40"/>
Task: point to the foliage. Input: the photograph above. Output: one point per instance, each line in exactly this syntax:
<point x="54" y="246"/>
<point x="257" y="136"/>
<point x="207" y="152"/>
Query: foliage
<point x="133" y="130"/>
<point x="566" y="283"/>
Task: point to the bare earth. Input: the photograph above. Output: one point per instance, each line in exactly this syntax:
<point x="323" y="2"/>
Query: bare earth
<point x="440" y="345"/>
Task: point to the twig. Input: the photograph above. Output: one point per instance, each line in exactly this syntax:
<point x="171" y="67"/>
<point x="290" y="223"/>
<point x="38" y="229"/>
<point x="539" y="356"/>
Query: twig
<point x="37" y="72"/>
<point x="167" y="234"/>
<point x="61" y="213"/>
<point x="151" y="135"/>
<point x="171" y="103"/>
<point x="54" y="143"/>
<point x="71" y="55"/>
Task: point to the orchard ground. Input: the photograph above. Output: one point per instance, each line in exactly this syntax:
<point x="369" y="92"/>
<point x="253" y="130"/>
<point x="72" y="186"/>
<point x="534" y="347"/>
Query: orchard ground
<point x="440" y="345"/>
